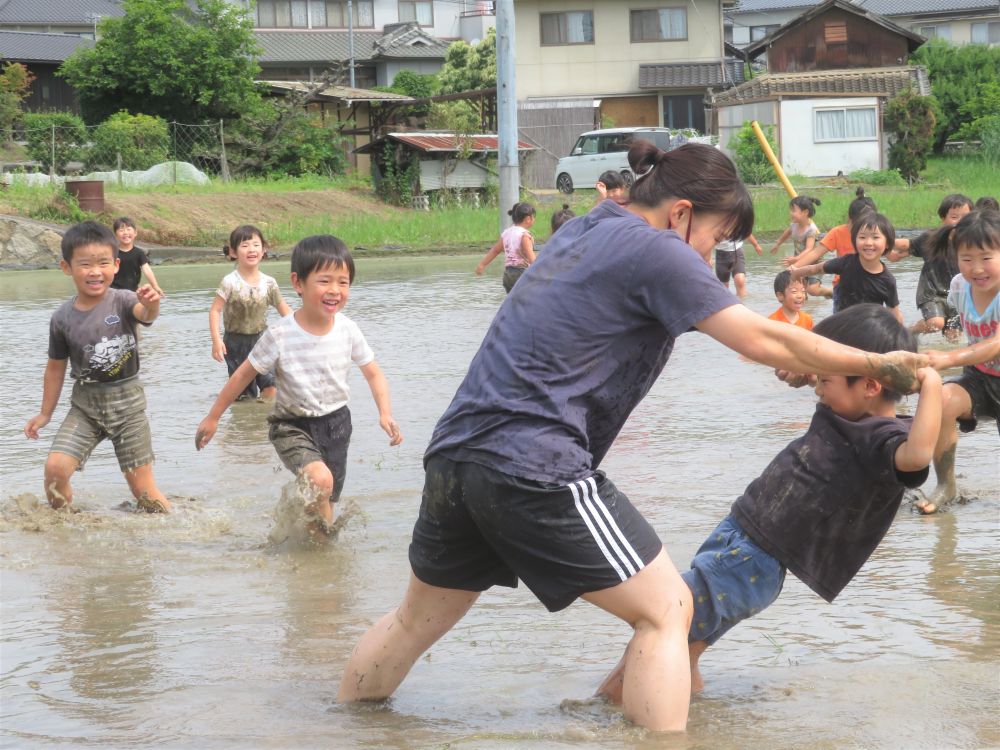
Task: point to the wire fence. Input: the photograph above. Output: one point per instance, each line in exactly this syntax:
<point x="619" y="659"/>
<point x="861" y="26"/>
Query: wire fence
<point x="79" y="150"/>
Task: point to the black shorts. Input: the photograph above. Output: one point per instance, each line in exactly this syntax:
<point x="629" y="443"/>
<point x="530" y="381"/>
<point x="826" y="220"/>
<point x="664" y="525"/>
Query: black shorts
<point x="479" y="528"/>
<point x="939" y="308"/>
<point x="238" y="346"/>
<point x="729" y="263"/>
<point x="302" y="440"/>
<point x="510" y="276"/>
<point x="984" y="391"/>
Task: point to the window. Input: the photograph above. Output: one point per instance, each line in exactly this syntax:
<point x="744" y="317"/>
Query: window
<point x="759" y="32"/>
<point x="845" y="124"/>
<point x="572" y="27"/>
<point x="312" y="14"/>
<point x="835" y="32"/>
<point x="684" y="112"/>
<point x="658" y="25"/>
<point x="421" y="11"/>
<point x="935" y="32"/>
<point x="986" y="32"/>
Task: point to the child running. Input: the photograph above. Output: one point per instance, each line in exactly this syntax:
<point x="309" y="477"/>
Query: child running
<point x="936" y="274"/>
<point x="730" y="263"/>
<point x="132" y="261"/>
<point x="975" y="293"/>
<point x="311" y="352"/>
<point x="825" y="502"/>
<point x="242" y="299"/>
<point x="803" y="231"/>
<point x="863" y="275"/>
<point x="96" y="332"/>
<point x="791" y="293"/>
<point x="561" y="216"/>
<point x="610" y="185"/>
<point x="517" y="245"/>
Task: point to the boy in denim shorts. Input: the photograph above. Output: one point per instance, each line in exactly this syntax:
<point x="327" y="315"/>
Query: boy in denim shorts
<point x="96" y="333"/>
<point x="825" y="502"/>
<point x="311" y="352"/>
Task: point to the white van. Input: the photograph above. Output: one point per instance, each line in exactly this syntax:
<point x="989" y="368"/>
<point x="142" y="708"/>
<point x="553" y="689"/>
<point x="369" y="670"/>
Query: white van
<point x="597" y="151"/>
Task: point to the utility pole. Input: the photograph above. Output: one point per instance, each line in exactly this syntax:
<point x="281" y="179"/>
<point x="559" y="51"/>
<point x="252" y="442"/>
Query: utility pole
<point x="510" y="179"/>
<point x="350" y="38"/>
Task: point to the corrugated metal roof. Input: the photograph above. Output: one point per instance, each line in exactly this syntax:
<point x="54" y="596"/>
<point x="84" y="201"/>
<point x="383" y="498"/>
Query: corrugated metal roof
<point x="689" y="75"/>
<point x="32" y="46"/>
<point x="882" y="7"/>
<point x="56" y="12"/>
<point x="827" y="83"/>
<point x="442" y="142"/>
<point x="325" y="46"/>
<point x="342" y="92"/>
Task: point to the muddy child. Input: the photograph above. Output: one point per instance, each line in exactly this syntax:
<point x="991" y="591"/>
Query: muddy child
<point x="242" y="300"/>
<point x="96" y="333"/>
<point x="516" y="244"/>
<point x="825" y="502"/>
<point x="311" y="352"/>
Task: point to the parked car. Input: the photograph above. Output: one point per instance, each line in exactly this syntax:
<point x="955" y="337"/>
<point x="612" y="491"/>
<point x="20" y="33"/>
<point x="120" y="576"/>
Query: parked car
<point x="597" y="151"/>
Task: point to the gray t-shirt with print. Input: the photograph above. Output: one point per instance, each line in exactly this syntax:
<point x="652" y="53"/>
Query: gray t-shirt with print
<point x="575" y="346"/>
<point x="100" y="343"/>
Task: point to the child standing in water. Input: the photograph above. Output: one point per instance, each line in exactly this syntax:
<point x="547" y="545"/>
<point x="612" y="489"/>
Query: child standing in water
<point x="242" y="300"/>
<point x="517" y="245"/>
<point x="791" y="293"/>
<point x="803" y="231"/>
<point x="730" y="263"/>
<point x="311" y="352"/>
<point x="863" y="275"/>
<point x="132" y="261"/>
<point x="975" y="293"/>
<point x="793" y="517"/>
<point x="96" y="333"/>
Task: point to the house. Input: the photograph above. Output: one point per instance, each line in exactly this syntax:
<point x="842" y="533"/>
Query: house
<point x="959" y="21"/>
<point x="42" y="53"/>
<point x="830" y="73"/>
<point x="79" y="17"/>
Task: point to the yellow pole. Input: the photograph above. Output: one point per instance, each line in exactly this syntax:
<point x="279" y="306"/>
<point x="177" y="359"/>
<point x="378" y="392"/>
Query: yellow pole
<point x="772" y="158"/>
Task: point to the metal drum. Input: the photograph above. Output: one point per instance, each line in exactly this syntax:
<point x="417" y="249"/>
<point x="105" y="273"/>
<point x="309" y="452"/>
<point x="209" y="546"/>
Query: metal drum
<point x="89" y="194"/>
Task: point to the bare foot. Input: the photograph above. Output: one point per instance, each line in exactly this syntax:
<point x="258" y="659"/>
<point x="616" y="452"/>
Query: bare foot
<point x="152" y="504"/>
<point x="941" y="497"/>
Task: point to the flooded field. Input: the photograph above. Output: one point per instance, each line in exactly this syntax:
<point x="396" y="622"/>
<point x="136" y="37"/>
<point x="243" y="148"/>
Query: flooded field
<point x="125" y="630"/>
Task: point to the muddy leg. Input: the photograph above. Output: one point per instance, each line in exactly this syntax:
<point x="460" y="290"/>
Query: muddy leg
<point x="956" y="405"/>
<point x="59" y="468"/>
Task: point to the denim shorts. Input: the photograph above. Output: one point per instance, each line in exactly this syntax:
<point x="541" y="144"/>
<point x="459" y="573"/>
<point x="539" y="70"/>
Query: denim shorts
<point x="731" y="579"/>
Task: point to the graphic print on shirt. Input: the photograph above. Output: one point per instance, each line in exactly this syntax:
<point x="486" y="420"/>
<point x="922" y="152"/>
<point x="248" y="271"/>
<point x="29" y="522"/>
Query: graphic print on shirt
<point x="109" y="356"/>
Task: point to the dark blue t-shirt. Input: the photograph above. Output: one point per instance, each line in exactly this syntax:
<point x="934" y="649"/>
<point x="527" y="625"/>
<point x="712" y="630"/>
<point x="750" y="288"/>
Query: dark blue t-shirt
<point x="575" y="346"/>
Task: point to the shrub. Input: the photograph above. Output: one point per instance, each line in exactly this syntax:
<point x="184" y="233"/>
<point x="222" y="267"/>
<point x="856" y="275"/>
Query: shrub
<point x="64" y="131"/>
<point x="751" y="161"/>
<point x="990" y="136"/>
<point x="910" y="119"/>
<point x="15" y="85"/>
<point x="141" y="140"/>
<point x="890" y="177"/>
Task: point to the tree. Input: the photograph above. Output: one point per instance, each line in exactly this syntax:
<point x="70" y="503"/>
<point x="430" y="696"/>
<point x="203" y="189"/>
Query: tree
<point x="173" y="59"/>
<point x="958" y="73"/>
<point x="751" y="161"/>
<point x="469" y="67"/>
<point x="910" y="119"/>
<point x="140" y="140"/>
<point x="15" y="85"/>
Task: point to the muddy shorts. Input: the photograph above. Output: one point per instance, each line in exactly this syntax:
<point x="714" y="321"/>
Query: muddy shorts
<point x="728" y="263"/>
<point x="984" y="392"/>
<point x="238" y="346"/>
<point x="939" y="308"/>
<point x="302" y="440"/>
<point x="731" y="579"/>
<point x="510" y="276"/>
<point x="113" y="411"/>
<point x="479" y="528"/>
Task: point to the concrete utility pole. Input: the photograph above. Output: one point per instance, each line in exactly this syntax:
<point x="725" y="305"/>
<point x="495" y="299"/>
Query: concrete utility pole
<point x="350" y="38"/>
<point x="510" y="178"/>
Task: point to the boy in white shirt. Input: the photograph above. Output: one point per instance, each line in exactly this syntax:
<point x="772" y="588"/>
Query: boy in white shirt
<point x="310" y="352"/>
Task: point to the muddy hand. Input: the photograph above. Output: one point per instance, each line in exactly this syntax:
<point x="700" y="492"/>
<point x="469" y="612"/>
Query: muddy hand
<point x="898" y="370"/>
<point x="795" y="379"/>
<point x="206" y="431"/>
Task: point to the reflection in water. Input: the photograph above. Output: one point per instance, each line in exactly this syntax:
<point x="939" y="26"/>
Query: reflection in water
<point x="191" y="630"/>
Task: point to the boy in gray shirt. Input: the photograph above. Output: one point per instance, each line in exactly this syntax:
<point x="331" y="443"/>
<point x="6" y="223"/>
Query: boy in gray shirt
<point x="95" y="332"/>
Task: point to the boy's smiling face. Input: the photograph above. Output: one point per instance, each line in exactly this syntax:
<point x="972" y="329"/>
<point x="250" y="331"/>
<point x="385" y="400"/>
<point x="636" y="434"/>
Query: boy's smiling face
<point x="125" y="235"/>
<point x="324" y="291"/>
<point x="92" y="268"/>
<point x="793" y="297"/>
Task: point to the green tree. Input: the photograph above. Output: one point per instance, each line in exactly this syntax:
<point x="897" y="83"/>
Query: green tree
<point x="15" y="85"/>
<point x="141" y="140"/>
<point x="58" y="134"/>
<point x="910" y="119"/>
<point x="469" y="67"/>
<point x="957" y="73"/>
<point x="751" y="161"/>
<point x="181" y="61"/>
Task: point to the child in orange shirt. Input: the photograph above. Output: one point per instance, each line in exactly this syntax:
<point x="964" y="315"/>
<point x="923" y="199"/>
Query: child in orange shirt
<point x="791" y="293"/>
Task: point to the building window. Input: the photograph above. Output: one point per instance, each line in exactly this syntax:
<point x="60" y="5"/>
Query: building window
<point x="571" y="27"/>
<point x="686" y="111"/>
<point x="759" y="32"/>
<point x="313" y="14"/>
<point x="421" y="11"/>
<point x="835" y="32"/>
<point x="659" y="24"/>
<point x="986" y="32"/>
<point x="845" y="124"/>
<point x="935" y="32"/>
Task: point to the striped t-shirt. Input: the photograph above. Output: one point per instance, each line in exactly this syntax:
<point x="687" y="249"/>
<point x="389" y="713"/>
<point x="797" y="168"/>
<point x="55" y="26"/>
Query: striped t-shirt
<point x="311" y="371"/>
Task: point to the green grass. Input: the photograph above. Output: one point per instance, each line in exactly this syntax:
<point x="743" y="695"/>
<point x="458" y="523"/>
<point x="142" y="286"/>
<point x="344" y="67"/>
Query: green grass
<point x="274" y="185"/>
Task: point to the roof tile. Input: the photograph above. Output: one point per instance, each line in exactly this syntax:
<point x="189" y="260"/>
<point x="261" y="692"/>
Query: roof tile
<point x="32" y="46"/>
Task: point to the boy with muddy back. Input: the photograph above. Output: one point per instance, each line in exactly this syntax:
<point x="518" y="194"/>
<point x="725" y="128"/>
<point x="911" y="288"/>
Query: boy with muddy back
<point x="95" y="332"/>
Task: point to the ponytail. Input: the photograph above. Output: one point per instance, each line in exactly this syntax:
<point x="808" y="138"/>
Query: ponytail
<point x="806" y="203"/>
<point x="860" y="205"/>
<point x="520" y="212"/>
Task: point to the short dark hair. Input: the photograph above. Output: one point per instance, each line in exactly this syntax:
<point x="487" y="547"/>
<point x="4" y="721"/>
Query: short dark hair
<point x="987" y="202"/>
<point x="612" y="180"/>
<point x="87" y="233"/>
<point x="955" y="200"/>
<point x="320" y="251"/>
<point x="871" y="328"/>
<point x="122" y="221"/>
<point x="872" y="220"/>
<point x="783" y="280"/>
<point x="979" y="229"/>
<point x="562" y="216"/>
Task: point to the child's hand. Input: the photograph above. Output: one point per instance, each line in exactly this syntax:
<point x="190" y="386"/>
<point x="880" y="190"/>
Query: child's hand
<point x="775" y="249"/>
<point x="602" y="190"/>
<point x="391" y="429"/>
<point x="219" y="351"/>
<point x="797" y="273"/>
<point x="938" y="360"/>
<point x="928" y="377"/>
<point x="479" y="270"/>
<point x="148" y="295"/>
<point x="34" y="425"/>
<point x="206" y="431"/>
<point x="159" y="291"/>
<point x="795" y="379"/>
<point x="789" y="262"/>
<point x="756" y="246"/>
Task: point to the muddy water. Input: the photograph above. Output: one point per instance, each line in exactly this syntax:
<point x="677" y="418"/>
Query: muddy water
<point x="127" y="630"/>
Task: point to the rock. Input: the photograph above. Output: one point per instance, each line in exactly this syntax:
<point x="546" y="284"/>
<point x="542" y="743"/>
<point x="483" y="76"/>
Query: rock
<point x="28" y="244"/>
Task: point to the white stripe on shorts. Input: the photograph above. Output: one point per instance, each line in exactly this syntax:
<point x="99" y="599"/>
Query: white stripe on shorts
<point x="593" y="512"/>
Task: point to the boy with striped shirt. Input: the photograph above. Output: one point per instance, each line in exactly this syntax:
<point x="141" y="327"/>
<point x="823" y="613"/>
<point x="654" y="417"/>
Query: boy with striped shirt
<point x="311" y="352"/>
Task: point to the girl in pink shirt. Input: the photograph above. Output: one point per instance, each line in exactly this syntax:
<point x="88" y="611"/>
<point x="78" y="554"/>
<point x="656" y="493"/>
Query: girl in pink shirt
<point x="517" y="245"/>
